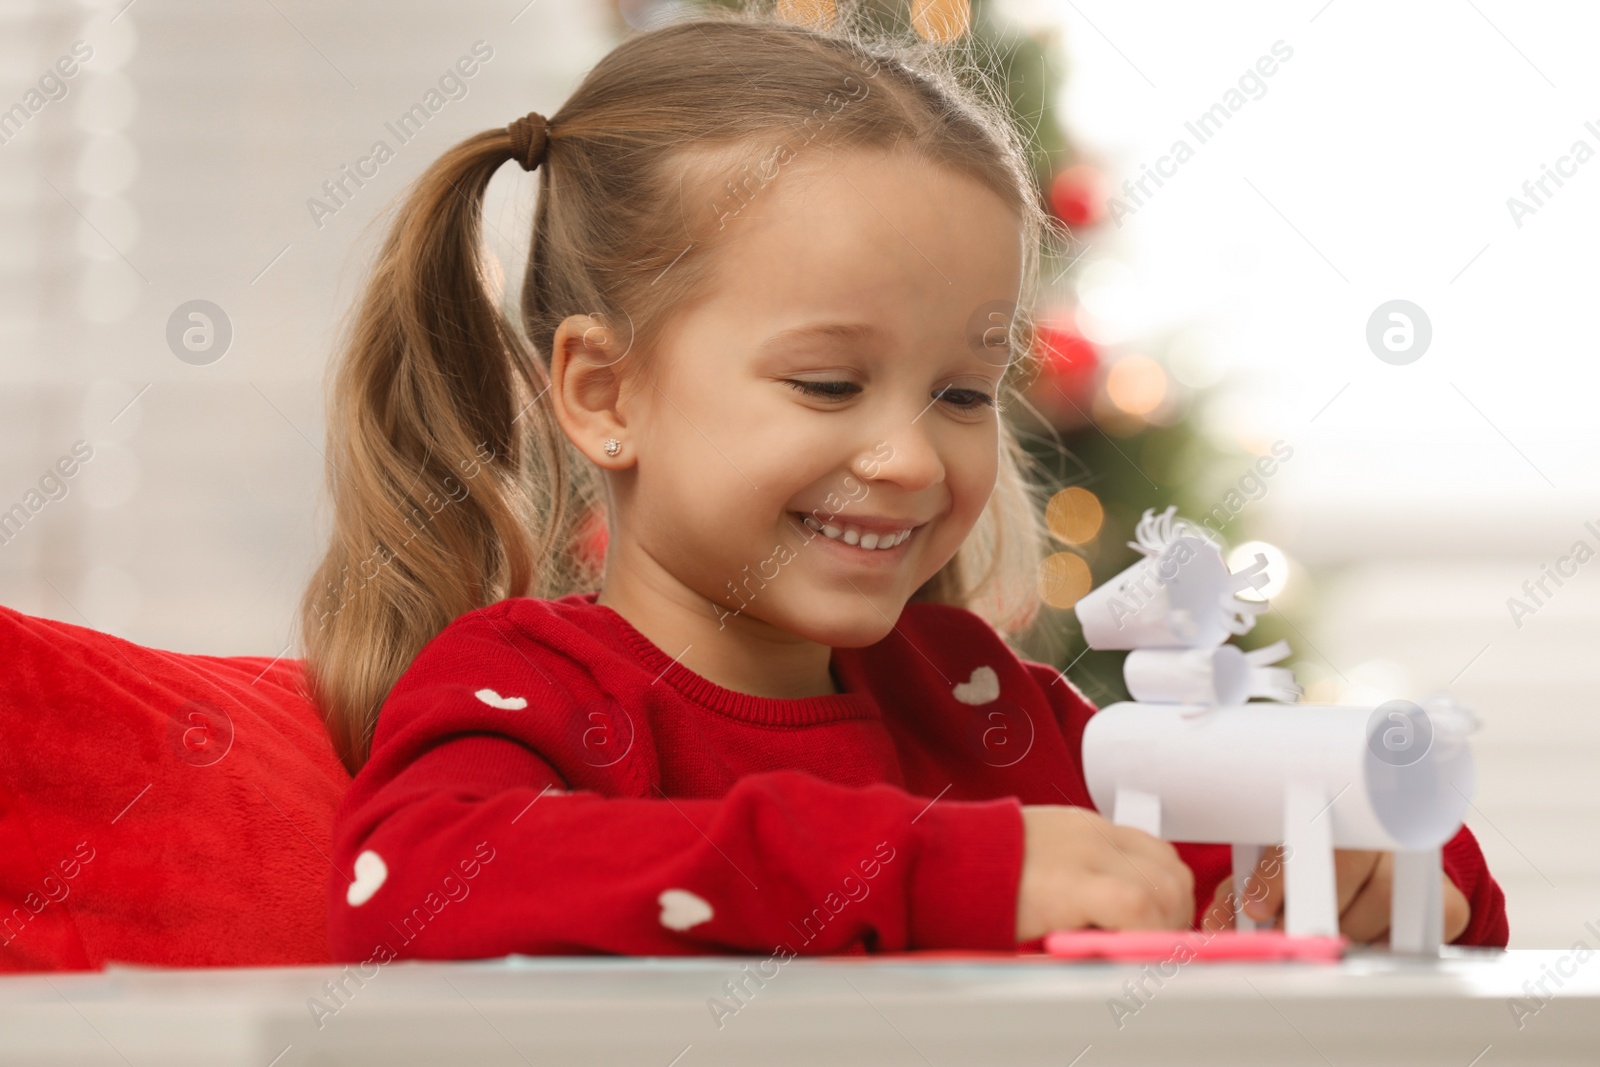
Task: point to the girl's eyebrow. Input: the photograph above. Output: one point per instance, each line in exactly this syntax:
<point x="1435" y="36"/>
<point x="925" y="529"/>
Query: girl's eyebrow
<point x="855" y="333"/>
<point x="838" y="331"/>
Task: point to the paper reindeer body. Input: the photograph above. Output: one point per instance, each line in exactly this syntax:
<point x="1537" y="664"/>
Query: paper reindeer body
<point x="1192" y="761"/>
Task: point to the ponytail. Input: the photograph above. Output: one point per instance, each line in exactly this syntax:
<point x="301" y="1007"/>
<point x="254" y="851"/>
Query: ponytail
<point x="450" y="478"/>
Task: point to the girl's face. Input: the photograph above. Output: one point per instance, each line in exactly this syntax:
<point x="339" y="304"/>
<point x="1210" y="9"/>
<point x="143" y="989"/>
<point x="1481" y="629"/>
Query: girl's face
<point x="844" y="367"/>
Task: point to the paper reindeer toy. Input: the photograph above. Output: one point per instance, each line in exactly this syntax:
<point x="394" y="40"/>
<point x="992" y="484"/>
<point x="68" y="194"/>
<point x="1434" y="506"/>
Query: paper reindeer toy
<point x="1191" y="760"/>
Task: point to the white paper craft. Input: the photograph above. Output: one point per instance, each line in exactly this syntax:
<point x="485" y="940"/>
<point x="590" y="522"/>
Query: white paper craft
<point x="1205" y="676"/>
<point x="1192" y="761"/>
<point x="1181" y="595"/>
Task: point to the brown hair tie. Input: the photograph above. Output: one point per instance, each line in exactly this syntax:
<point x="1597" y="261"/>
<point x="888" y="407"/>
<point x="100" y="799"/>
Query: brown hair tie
<point x="530" y="136"/>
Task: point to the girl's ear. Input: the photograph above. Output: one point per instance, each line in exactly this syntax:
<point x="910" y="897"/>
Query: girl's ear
<point x="586" y="377"/>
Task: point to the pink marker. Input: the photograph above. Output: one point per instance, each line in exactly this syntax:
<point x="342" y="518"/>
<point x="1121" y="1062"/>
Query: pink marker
<point x="1151" y="945"/>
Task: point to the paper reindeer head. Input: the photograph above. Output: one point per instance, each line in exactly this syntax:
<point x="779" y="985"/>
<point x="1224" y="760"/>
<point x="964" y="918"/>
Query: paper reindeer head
<point x="1174" y="610"/>
<point x="1180" y="595"/>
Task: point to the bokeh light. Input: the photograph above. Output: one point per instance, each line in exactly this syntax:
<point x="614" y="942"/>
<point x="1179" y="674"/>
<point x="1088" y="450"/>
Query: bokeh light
<point x="1194" y="360"/>
<point x="941" y="21"/>
<point x="1110" y="310"/>
<point x="1136" y="384"/>
<point x="819" y="14"/>
<point x="1063" y="579"/>
<point x="1074" y="515"/>
<point x="1277" y="568"/>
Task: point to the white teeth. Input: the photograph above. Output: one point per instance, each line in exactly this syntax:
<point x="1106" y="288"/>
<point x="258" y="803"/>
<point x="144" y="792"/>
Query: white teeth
<point x="851" y="535"/>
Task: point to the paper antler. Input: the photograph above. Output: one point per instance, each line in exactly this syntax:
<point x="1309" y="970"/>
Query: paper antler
<point x="1274" y="683"/>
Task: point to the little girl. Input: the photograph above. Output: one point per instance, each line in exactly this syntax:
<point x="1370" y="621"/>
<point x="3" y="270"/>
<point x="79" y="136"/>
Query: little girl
<point x="763" y="704"/>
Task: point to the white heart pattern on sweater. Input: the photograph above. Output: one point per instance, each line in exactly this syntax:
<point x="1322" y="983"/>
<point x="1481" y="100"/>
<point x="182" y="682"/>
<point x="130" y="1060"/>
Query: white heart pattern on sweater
<point x="495" y="700"/>
<point x="371" y="873"/>
<point x="982" y="688"/>
<point x="681" y="909"/>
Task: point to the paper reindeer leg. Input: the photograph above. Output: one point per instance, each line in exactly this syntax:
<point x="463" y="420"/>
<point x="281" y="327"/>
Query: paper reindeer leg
<point x="1180" y="595"/>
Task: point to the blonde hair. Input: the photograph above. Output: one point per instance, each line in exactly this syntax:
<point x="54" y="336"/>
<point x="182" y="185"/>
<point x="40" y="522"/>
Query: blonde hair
<point x="452" y="484"/>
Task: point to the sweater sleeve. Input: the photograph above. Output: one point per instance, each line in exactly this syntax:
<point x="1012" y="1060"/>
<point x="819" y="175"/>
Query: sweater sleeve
<point x="472" y="847"/>
<point x="1465" y="866"/>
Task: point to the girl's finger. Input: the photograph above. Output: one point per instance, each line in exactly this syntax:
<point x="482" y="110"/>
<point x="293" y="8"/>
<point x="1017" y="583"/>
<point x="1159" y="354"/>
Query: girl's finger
<point x="1263" y="890"/>
<point x="1113" y="903"/>
<point x="1155" y="861"/>
<point x="1366" y="918"/>
<point x="1225" y="902"/>
<point x="1136" y="844"/>
<point x="1457" y="910"/>
<point x="1219" y="916"/>
<point x="1353" y="870"/>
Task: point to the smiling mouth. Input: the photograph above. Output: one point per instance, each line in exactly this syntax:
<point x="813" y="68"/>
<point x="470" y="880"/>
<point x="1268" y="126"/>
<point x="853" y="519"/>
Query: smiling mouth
<point x="856" y="537"/>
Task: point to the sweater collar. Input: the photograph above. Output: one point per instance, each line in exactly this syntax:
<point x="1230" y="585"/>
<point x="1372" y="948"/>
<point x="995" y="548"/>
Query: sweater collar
<point x="747" y="707"/>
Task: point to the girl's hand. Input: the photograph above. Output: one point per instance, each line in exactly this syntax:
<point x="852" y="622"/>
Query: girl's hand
<point x="1080" y="870"/>
<point x="1364" y="881"/>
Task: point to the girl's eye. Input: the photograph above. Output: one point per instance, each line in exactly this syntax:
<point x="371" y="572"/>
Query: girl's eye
<point x="966" y="399"/>
<point x="826" y="390"/>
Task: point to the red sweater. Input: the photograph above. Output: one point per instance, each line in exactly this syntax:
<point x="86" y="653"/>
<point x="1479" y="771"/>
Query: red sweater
<point x="545" y="780"/>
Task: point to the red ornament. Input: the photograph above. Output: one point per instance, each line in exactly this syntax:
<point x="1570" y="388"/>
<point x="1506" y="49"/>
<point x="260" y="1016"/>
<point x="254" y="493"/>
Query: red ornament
<point x="1077" y="195"/>
<point x="1068" y="355"/>
<point x="1068" y="361"/>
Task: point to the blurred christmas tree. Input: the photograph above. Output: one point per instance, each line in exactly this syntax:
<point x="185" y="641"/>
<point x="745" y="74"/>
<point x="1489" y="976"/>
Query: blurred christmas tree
<point x="1111" y="429"/>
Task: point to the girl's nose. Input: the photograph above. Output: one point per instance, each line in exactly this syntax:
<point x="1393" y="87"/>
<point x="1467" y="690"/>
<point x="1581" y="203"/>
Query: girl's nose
<point x="913" y="461"/>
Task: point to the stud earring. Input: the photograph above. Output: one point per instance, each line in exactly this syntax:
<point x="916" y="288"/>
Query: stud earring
<point x="613" y="446"/>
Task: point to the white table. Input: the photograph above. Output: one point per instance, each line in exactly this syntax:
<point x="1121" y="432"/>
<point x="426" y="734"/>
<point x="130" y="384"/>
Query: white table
<point x="1370" y="1009"/>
